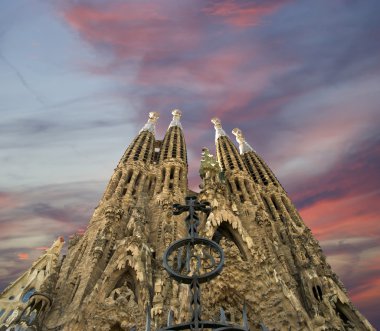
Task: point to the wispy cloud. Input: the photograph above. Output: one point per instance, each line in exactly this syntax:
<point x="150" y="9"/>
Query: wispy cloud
<point x="23" y="80"/>
<point x="300" y="79"/>
<point x="243" y="14"/>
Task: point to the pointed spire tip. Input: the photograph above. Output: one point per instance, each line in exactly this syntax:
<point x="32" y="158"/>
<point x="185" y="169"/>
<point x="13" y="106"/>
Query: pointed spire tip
<point x="176" y="118"/>
<point x="176" y="112"/>
<point x="244" y="147"/>
<point x="151" y="124"/>
<point x="216" y="122"/>
<point x="219" y="132"/>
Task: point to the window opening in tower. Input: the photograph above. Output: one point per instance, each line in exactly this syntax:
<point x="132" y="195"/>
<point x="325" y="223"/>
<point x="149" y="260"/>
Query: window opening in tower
<point x="275" y="204"/>
<point x="129" y="176"/>
<point x="237" y="185"/>
<point x="147" y="147"/>
<point x="174" y="146"/>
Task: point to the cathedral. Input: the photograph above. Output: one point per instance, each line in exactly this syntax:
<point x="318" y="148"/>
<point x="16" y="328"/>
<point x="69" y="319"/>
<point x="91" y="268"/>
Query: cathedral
<point x="116" y="276"/>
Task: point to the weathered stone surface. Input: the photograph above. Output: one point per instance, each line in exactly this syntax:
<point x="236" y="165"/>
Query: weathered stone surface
<point x="112" y="275"/>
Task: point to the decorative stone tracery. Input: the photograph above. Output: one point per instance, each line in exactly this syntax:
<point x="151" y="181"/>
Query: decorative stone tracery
<point x="113" y="279"/>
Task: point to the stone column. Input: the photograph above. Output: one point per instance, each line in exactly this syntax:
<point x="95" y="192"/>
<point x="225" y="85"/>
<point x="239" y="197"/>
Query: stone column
<point x="167" y="178"/>
<point x="113" y="184"/>
<point x="131" y="183"/>
<point x="176" y="179"/>
<point x="244" y="190"/>
<point x="120" y="186"/>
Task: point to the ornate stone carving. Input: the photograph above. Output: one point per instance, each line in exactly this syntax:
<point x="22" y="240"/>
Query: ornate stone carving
<point x="272" y="261"/>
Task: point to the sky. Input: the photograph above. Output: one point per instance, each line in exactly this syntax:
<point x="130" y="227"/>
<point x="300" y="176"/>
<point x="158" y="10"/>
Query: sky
<point x="300" y="78"/>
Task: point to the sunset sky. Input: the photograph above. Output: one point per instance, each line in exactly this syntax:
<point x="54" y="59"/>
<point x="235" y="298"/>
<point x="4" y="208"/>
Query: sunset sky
<point x="300" y="78"/>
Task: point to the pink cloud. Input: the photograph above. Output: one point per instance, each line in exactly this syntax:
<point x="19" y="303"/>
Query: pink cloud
<point x="341" y="217"/>
<point x="243" y="14"/>
<point x="23" y="256"/>
<point x="131" y="30"/>
<point x="369" y="291"/>
<point x="7" y="200"/>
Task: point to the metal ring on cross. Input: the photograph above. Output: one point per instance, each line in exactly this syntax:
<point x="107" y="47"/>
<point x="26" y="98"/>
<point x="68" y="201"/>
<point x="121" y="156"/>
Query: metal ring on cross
<point x="193" y="258"/>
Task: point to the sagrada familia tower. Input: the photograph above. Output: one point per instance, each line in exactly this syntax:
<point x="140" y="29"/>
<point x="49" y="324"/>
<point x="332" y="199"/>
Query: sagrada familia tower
<point x="235" y="256"/>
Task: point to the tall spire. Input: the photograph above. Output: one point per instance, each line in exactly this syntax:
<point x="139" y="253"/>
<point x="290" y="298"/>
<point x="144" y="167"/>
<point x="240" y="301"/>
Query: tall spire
<point x="219" y="132"/>
<point x="142" y="146"/>
<point x="227" y="154"/>
<point x="244" y="147"/>
<point x="258" y="169"/>
<point x="173" y="158"/>
<point x="176" y="118"/>
<point x="151" y="124"/>
<point x="173" y="145"/>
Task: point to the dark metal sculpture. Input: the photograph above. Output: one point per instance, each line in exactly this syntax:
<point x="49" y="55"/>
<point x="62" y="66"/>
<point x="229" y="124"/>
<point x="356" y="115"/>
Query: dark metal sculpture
<point x="195" y="260"/>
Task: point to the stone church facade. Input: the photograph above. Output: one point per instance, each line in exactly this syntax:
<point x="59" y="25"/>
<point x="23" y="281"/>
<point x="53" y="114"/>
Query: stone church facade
<point x="112" y="277"/>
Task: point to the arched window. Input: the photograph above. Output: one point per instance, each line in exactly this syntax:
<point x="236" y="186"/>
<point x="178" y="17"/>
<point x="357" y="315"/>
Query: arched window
<point x="237" y="185"/>
<point x="28" y="294"/>
<point x="225" y="231"/>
